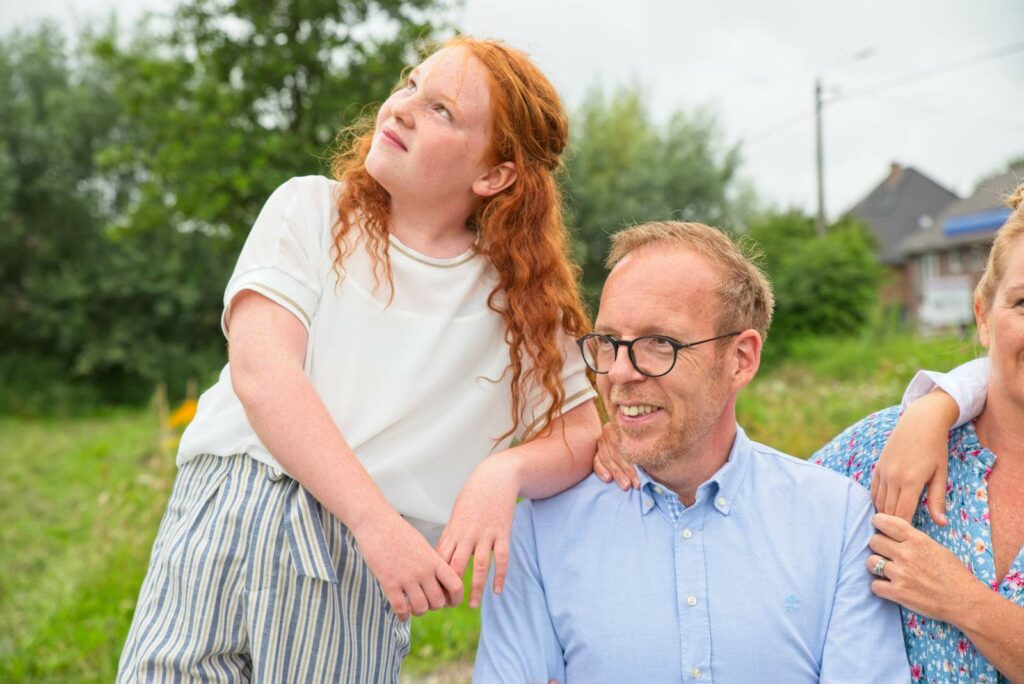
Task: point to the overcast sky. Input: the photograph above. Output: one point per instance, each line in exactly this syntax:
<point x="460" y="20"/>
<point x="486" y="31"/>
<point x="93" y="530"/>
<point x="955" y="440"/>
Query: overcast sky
<point x="754" y="63"/>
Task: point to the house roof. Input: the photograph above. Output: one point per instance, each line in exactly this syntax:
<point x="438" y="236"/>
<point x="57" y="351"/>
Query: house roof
<point x="895" y="207"/>
<point x="968" y="221"/>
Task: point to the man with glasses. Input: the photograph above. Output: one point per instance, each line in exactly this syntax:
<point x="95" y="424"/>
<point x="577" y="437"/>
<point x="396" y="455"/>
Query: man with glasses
<point x="732" y="562"/>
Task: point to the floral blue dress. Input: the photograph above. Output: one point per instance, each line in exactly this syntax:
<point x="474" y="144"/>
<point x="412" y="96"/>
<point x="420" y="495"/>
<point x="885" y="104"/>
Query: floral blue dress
<point x="939" y="652"/>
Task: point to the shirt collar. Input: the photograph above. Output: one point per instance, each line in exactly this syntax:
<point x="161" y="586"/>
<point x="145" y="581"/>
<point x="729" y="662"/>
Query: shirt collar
<point x="972" y="450"/>
<point x="721" y="488"/>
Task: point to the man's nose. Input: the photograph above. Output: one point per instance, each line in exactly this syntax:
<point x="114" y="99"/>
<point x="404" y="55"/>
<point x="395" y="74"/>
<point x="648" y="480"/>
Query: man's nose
<point x="623" y="370"/>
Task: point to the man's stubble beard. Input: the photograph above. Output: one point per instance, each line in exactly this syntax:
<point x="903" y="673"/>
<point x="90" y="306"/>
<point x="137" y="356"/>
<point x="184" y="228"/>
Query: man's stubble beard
<point x="685" y="436"/>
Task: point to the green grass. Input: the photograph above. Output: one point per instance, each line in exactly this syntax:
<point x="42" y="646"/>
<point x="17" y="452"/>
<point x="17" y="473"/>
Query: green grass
<point x="828" y="384"/>
<point x="80" y="500"/>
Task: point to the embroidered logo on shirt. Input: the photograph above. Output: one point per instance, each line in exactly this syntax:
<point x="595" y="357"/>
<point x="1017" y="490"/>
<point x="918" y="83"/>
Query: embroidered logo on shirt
<point x="792" y="603"/>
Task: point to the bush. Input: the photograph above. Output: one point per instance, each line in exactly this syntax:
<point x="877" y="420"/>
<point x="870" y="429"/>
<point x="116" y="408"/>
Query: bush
<point x="824" y="286"/>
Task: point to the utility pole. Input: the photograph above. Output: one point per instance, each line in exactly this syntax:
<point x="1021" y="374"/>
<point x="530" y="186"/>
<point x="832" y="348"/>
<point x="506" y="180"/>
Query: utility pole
<point x="819" y="158"/>
<point x="819" y="139"/>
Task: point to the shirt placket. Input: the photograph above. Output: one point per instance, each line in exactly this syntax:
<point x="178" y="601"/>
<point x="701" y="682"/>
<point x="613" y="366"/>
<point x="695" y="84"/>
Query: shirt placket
<point x="691" y="593"/>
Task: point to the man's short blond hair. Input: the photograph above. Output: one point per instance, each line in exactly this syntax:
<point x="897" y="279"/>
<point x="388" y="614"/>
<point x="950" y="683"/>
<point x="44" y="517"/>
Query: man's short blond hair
<point x="745" y="295"/>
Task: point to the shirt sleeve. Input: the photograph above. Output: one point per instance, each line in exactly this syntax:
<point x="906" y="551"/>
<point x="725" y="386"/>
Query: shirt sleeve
<point x="575" y="383"/>
<point x="967" y="384"/>
<point x="864" y="642"/>
<point x="518" y="643"/>
<point x="282" y="256"/>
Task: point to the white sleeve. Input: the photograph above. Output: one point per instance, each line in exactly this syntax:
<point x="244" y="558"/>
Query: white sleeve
<point x="576" y="385"/>
<point x="282" y="256"/>
<point x="966" y="384"/>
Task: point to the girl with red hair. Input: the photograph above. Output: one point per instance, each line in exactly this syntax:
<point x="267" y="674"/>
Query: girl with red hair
<point x="390" y="332"/>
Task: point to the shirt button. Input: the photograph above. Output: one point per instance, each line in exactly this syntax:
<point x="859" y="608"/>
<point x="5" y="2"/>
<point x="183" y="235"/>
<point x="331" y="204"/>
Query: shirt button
<point x="721" y="501"/>
<point x="658" y="490"/>
<point x="691" y="601"/>
<point x="695" y="673"/>
<point x="687" y="534"/>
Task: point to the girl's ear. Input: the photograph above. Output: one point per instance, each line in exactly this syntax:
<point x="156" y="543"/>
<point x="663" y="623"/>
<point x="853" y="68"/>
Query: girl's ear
<point x="495" y="180"/>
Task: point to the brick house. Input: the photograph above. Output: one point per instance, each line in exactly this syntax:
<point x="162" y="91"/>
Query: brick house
<point x="895" y="210"/>
<point x="945" y="258"/>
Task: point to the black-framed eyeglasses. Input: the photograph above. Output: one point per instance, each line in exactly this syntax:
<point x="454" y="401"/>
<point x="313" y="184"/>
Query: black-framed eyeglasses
<point x="651" y="355"/>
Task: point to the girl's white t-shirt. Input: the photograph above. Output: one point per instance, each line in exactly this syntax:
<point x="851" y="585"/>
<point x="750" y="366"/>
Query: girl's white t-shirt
<point x="418" y="387"/>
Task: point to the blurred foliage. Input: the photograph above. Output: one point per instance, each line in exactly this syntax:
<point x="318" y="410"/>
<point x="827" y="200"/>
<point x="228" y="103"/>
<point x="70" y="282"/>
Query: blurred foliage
<point x="825" y="286"/>
<point x="131" y="171"/>
<point x="624" y="168"/>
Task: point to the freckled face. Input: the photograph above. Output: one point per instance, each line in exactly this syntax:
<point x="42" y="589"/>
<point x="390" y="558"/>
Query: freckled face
<point x="432" y="136"/>
<point x="1001" y="329"/>
<point x="654" y="291"/>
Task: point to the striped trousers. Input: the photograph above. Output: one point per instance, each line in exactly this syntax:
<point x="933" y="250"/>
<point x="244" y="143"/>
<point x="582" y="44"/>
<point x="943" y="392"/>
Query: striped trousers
<point x="250" y="579"/>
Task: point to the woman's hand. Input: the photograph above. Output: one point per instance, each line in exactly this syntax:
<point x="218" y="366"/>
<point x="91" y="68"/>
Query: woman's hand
<point x="609" y="463"/>
<point x="413" y="576"/>
<point x="916" y="455"/>
<point x="481" y="524"/>
<point x="920" y="573"/>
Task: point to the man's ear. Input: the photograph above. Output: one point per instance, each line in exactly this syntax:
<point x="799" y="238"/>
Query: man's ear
<point x="495" y="180"/>
<point x="746" y="357"/>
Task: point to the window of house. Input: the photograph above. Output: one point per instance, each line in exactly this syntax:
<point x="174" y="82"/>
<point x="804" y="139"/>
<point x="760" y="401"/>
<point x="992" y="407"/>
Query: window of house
<point x="955" y="260"/>
<point x="928" y="267"/>
<point x="979" y="256"/>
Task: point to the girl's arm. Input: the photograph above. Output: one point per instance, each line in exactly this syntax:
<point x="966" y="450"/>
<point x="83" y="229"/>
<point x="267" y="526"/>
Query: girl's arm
<point x="266" y="351"/>
<point x="915" y="455"/>
<point x="481" y="520"/>
<point x="926" y="577"/>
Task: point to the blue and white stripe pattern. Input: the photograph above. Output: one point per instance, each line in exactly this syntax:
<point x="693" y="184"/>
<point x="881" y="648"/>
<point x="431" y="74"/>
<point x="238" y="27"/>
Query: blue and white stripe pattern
<point x="251" y="580"/>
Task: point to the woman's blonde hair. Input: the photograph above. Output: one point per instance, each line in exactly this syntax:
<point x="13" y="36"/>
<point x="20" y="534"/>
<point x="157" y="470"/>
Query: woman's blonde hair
<point x="520" y="230"/>
<point x="1006" y="236"/>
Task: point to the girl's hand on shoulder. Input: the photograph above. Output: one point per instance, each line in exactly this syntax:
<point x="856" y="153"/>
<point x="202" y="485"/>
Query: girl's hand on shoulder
<point x="916" y="457"/>
<point x="609" y="463"/>
<point x="413" y="576"/>
<point x="481" y="524"/>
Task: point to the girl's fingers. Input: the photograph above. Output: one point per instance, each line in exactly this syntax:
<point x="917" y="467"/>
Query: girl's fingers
<point x="481" y="562"/>
<point x="500" y="564"/>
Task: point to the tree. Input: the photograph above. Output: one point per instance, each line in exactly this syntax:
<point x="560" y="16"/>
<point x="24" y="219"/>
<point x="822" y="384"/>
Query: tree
<point x="53" y="118"/>
<point x="232" y="97"/>
<point x="624" y="168"/>
<point x="131" y="172"/>
<point x="222" y="102"/>
<point x="823" y="286"/>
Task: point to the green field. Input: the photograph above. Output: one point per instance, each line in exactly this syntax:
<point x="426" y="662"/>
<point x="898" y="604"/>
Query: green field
<point x="80" y="499"/>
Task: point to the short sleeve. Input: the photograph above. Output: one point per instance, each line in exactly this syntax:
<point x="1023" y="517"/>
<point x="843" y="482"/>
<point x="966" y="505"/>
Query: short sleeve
<point x="518" y="641"/>
<point x="576" y="385"/>
<point x="864" y="642"/>
<point x="283" y="256"/>
<point x="967" y="384"/>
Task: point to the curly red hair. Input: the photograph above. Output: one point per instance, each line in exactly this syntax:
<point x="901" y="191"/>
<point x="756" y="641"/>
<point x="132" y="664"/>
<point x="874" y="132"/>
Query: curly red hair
<point x="521" y="230"/>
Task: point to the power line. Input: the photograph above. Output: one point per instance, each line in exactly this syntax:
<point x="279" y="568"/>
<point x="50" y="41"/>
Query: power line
<point x="963" y="63"/>
<point x="930" y="108"/>
<point x="780" y="126"/>
<point x="949" y="67"/>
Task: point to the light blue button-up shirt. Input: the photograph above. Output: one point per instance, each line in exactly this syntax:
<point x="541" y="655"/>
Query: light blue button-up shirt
<point x="762" y="579"/>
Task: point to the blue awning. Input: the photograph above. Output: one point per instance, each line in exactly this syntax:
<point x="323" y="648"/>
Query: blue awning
<point x="974" y="223"/>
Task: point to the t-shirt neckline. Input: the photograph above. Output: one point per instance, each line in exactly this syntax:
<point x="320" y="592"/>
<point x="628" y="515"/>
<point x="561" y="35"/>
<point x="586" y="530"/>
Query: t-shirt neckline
<point x="449" y="262"/>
